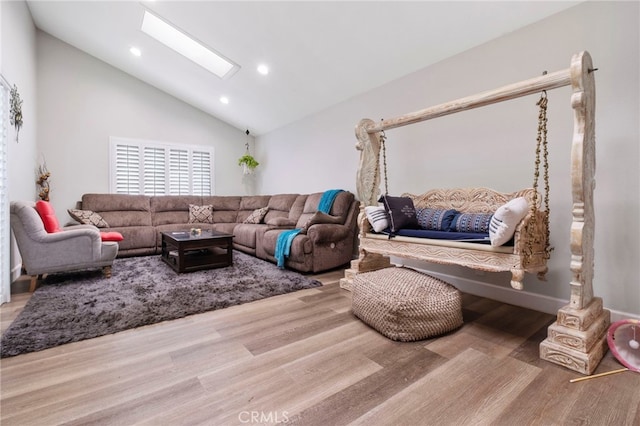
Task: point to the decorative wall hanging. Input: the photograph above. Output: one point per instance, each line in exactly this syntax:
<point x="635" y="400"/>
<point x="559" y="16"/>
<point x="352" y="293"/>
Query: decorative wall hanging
<point x="247" y="161"/>
<point x="43" y="181"/>
<point x="16" y="110"/>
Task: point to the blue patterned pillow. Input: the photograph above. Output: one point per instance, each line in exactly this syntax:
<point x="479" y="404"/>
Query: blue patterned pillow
<point x="435" y="219"/>
<point x="471" y="222"/>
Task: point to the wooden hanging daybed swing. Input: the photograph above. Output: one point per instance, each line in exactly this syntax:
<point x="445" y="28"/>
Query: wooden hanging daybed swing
<point x="577" y="340"/>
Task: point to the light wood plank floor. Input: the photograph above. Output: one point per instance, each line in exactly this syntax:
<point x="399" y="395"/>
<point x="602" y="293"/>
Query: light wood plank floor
<point x="303" y="358"/>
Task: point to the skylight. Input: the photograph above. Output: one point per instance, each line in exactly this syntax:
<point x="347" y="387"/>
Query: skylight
<point x="187" y="46"/>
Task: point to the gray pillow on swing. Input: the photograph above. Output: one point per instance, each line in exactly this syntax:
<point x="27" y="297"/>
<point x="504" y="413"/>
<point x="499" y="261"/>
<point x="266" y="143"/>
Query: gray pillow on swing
<point x="402" y="213"/>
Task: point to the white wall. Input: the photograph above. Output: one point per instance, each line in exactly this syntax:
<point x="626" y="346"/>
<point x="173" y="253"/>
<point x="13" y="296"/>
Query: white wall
<point x="82" y="101"/>
<point x="19" y="67"/>
<point x="494" y="146"/>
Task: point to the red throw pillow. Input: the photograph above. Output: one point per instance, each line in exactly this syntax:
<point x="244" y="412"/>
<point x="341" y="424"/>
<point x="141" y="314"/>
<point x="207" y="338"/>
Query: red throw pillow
<point x="48" y="216"/>
<point x="111" y="236"/>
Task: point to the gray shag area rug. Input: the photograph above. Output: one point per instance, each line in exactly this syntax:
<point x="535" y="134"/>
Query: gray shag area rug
<point x="142" y="290"/>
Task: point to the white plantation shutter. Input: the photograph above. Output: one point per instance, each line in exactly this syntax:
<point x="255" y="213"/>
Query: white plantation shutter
<point x="127" y="169"/>
<point x="154" y="171"/>
<point x="152" y="168"/>
<point x="201" y="168"/>
<point x="179" y="172"/>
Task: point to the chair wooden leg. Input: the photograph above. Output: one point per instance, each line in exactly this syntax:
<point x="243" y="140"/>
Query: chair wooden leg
<point x="106" y="271"/>
<point x="34" y="283"/>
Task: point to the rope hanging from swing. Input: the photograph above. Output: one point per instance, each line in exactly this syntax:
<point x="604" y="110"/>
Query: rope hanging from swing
<point x="542" y="151"/>
<point x="383" y="148"/>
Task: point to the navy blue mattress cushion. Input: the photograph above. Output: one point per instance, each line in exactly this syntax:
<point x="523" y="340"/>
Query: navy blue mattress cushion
<point x="445" y="235"/>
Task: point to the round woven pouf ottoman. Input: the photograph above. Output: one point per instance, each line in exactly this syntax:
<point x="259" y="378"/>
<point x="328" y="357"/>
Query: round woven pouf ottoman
<point x="406" y="305"/>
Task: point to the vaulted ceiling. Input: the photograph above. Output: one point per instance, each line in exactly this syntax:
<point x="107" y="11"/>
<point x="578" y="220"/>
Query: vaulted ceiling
<point x="319" y="53"/>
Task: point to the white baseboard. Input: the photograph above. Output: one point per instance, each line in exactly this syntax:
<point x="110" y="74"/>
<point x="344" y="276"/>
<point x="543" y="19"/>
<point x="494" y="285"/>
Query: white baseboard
<point x="534" y="301"/>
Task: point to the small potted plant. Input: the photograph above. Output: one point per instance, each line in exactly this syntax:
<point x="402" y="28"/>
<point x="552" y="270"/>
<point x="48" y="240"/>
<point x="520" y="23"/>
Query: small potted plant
<point x="247" y="161"/>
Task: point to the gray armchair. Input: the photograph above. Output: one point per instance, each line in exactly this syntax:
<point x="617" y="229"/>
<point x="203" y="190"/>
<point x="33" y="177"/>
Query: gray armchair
<point x="73" y="248"/>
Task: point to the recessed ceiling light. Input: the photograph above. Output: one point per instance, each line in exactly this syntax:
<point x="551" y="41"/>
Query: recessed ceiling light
<point x="135" y="51"/>
<point x="263" y="69"/>
<point x="224" y="100"/>
<point x="187" y="46"/>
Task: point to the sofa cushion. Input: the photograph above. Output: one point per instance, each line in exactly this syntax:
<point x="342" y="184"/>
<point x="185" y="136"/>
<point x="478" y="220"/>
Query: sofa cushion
<point x="252" y="202"/>
<point x="200" y="214"/>
<point x="48" y="216"/>
<point x="88" y="217"/>
<point x="245" y="234"/>
<point x="136" y="237"/>
<point x="225" y="208"/>
<point x="280" y="206"/>
<point x="168" y="209"/>
<point x="120" y="210"/>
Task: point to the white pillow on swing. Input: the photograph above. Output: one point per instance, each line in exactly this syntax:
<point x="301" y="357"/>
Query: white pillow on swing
<point x="378" y="217"/>
<point x="505" y="219"/>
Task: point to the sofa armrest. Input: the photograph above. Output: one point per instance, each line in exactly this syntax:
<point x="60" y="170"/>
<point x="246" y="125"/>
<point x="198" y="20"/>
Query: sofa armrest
<point x="326" y="232"/>
<point x="76" y="226"/>
<point x="71" y="247"/>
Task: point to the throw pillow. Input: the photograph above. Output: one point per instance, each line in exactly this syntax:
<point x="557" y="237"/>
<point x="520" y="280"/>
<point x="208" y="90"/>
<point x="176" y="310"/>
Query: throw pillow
<point x="257" y="215"/>
<point x="471" y="222"/>
<point x="88" y="217"/>
<point x="48" y="216"/>
<point x="200" y="214"/>
<point x="505" y="219"/>
<point x="111" y="236"/>
<point x="435" y="219"/>
<point x="402" y="213"/>
<point x="378" y="217"/>
<point x="319" y="217"/>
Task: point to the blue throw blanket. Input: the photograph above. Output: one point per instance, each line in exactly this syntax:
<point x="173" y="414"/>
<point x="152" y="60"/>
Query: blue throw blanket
<point x="285" y="239"/>
<point x="326" y="202"/>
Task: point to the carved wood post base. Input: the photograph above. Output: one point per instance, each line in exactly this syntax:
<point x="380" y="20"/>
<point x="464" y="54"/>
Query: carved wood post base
<point x="578" y="338"/>
<point x="365" y="263"/>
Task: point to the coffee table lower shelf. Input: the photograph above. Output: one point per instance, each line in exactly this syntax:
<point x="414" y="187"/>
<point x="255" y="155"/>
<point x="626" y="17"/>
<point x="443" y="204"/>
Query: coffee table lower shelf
<point x="193" y="254"/>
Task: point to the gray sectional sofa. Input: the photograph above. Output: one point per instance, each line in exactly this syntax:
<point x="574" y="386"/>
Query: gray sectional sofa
<point x="327" y="242"/>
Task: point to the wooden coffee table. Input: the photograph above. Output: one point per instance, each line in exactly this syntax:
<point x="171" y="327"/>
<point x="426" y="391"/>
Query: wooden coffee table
<point x="186" y="252"/>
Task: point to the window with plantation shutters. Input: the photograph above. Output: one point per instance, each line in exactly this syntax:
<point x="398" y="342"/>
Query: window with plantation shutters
<point x="153" y="168"/>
